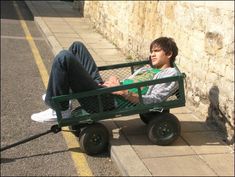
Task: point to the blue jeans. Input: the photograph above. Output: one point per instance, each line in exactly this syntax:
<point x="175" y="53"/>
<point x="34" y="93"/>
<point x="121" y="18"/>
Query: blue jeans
<point x="75" y="70"/>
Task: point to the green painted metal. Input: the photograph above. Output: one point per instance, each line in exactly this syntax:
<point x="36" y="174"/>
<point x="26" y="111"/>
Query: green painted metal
<point x="122" y="65"/>
<point x="82" y="117"/>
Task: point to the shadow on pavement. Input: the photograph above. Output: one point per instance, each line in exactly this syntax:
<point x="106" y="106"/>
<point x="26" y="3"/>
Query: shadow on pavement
<point x="104" y="154"/>
<point x="8" y="160"/>
<point x="200" y="134"/>
<point x="7" y="6"/>
<point x="58" y="9"/>
<point x="135" y="133"/>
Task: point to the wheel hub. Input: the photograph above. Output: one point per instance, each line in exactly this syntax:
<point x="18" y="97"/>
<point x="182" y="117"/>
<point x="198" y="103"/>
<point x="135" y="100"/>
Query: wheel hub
<point x="164" y="130"/>
<point x="95" y="139"/>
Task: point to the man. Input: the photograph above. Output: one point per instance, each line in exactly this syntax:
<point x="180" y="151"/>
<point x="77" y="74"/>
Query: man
<point x="76" y="70"/>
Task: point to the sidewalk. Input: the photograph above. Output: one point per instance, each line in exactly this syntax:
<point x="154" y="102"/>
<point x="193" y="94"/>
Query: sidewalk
<point x="198" y="152"/>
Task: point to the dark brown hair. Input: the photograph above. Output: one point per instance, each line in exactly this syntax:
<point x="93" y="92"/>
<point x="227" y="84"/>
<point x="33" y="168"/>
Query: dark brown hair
<point x="168" y="45"/>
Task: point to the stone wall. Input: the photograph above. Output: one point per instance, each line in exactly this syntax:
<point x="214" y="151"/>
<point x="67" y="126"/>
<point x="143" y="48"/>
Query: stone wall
<point x="204" y="33"/>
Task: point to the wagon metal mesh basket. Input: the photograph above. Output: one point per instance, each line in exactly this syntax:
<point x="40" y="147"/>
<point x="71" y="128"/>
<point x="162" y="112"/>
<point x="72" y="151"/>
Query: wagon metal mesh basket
<point x="98" y="104"/>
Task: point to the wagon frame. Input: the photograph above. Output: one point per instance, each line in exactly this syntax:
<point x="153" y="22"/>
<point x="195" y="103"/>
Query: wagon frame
<point x="163" y="128"/>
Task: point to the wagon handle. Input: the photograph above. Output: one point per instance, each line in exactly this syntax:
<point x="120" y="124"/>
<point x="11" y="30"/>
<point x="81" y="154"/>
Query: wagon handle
<point x="54" y="129"/>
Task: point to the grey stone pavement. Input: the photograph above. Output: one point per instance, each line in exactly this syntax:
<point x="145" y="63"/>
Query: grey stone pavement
<point x="199" y="151"/>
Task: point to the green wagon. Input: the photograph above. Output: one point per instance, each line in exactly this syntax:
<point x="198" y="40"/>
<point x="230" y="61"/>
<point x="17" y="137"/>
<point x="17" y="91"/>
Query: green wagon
<point x="163" y="128"/>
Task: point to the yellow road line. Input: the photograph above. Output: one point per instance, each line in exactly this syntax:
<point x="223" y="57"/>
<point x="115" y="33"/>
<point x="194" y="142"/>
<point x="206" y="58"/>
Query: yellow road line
<point x="79" y="159"/>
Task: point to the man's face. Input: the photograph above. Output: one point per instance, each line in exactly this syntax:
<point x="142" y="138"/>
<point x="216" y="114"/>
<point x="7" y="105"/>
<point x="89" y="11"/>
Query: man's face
<point x="159" y="58"/>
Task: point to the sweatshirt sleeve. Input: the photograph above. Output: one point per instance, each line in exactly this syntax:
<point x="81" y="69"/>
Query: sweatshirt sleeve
<point x="160" y="92"/>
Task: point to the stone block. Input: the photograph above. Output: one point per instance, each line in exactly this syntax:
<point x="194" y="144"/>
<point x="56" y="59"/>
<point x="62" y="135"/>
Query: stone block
<point x="226" y="90"/>
<point x="212" y="77"/>
<point x="229" y="73"/>
<point x="203" y="108"/>
<point x="213" y="42"/>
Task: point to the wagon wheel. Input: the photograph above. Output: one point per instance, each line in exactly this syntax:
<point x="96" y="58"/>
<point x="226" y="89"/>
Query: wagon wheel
<point x="164" y="130"/>
<point x="94" y="139"/>
<point x="147" y="117"/>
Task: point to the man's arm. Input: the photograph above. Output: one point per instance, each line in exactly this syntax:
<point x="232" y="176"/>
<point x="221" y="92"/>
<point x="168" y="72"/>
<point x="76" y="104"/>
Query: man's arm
<point x="160" y="92"/>
<point x="156" y="93"/>
<point x="114" y="81"/>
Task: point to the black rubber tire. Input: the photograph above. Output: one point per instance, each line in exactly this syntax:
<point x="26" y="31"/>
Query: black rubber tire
<point x="147" y="117"/>
<point x="55" y="128"/>
<point x="164" y="129"/>
<point x="94" y="139"/>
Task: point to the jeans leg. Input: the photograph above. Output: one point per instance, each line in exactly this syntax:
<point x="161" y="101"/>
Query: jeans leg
<point x="67" y="73"/>
<point x="82" y="54"/>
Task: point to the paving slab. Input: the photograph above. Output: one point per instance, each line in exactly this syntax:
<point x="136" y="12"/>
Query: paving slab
<point x="179" y="166"/>
<point x="66" y="35"/>
<point x="218" y="162"/>
<point x="60" y="28"/>
<point x="85" y="31"/>
<point x="107" y="52"/>
<point x="145" y="149"/>
<point x="65" y="42"/>
<point x="49" y="19"/>
<point x="92" y="35"/>
<point x="104" y="45"/>
<point x="91" y="39"/>
<point x="206" y="142"/>
<point x="190" y="124"/>
<point x="79" y="24"/>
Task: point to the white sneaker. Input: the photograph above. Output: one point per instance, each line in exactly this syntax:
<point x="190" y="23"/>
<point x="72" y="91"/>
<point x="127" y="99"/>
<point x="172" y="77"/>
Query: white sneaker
<point x="49" y="115"/>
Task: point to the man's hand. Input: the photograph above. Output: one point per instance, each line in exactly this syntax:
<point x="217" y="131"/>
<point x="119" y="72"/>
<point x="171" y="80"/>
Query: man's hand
<point x="112" y="82"/>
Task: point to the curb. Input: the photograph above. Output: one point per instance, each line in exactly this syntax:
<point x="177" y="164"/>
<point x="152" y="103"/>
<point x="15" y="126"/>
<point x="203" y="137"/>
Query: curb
<point x="122" y="154"/>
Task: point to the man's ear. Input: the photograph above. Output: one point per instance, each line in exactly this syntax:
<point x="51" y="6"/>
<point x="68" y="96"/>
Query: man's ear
<point x="169" y="54"/>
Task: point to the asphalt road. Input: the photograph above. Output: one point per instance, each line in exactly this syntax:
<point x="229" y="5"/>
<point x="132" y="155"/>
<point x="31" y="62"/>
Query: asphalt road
<point x="21" y="90"/>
